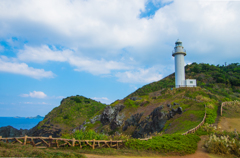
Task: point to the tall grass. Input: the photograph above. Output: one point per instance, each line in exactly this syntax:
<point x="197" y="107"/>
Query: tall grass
<point x="169" y="143"/>
<point x="85" y="135"/>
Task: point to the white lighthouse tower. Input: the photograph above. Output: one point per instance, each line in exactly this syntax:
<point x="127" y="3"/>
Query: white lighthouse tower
<point x="179" y="52"/>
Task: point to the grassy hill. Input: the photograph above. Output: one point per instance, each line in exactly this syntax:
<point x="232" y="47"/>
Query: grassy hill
<point x="72" y="112"/>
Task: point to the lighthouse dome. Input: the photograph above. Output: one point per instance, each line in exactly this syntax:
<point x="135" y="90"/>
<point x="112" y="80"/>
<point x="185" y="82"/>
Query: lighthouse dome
<point x="178" y="43"/>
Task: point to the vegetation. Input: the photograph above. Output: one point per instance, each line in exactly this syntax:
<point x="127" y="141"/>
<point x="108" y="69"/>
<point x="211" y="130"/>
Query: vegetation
<point x="174" y="143"/>
<point x="85" y="135"/>
<point x="16" y="150"/>
<point x="91" y="134"/>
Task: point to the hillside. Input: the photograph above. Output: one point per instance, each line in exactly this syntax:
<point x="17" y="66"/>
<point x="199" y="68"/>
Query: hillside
<point x="147" y="110"/>
<point x="72" y="112"/>
<point x="156" y="107"/>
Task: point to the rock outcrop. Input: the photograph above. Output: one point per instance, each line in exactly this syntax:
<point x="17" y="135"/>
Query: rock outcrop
<point x="9" y="131"/>
<point x="153" y="123"/>
<point x="110" y="113"/>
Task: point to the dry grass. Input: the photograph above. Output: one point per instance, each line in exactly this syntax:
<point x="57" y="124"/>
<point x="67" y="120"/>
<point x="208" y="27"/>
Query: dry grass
<point x="202" y="98"/>
<point x="232" y="109"/>
<point x="229" y="124"/>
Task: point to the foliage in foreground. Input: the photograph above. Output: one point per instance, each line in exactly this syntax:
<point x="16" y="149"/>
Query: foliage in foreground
<point x="91" y="134"/>
<point x="223" y="144"/>
<point x="169" y="143"/>
<point x="206" y="129"/>
<point x="16" y="150"/>
<point x="85" y="135"/>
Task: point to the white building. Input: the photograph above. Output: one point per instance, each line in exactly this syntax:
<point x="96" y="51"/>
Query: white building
<point x="179" y="52"/>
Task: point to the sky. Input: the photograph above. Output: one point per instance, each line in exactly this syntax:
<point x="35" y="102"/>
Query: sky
<point x="104" y="49"/>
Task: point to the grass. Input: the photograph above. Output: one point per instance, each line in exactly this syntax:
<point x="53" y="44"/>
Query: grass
<point x="169" y="143"/>
<point x="193" y="113"/>
<point x="15" y="150"/>
<point x="85" y="135"/>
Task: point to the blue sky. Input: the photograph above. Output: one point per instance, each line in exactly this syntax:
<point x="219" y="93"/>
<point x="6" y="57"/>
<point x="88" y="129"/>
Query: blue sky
<point x="104" y="49"/>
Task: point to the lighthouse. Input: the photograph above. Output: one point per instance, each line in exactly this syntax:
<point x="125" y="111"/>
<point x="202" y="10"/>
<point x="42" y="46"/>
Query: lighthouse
<point x="178" y="53"/>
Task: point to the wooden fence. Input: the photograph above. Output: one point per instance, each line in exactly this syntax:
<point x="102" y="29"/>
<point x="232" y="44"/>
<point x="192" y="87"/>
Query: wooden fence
<point x="61" y="142"/>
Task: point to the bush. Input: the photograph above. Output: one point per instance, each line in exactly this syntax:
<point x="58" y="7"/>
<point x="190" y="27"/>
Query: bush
<point x="130" y="103"/>
<point x="85" y="135"/>
<point x="205" y="130"/>
<point x="168" y="143"/>
<point x="223" y="145"/>
<point x="211" y="115"/>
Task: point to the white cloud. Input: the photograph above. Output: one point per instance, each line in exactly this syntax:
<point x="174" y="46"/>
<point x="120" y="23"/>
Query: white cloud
<point x="82" y="63"/>
<point x="35" y="94"/>
<point x="39" y="103"/>
<point x="102" y="99"/>
<point x="139" y="76"/>
<point x="97" y="32"/>
<point x="23" y="69"/>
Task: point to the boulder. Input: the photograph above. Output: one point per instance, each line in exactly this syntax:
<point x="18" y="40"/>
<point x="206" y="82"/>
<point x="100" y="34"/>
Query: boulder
<point x="110" y="113"/>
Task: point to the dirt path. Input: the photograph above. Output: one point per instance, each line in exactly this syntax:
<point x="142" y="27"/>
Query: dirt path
<point x="200" y="153"/>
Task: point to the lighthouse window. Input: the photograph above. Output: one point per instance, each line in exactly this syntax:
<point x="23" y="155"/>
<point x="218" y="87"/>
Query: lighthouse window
<point x="191" y="82"/>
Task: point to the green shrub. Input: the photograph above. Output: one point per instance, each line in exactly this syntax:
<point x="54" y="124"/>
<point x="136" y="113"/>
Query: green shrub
<point x="206" y="129"/>
<point x="211" y="114"/>
<point x="85" y="135"/>
<point x="176" y="143"/>
<point x="130" y="103"/>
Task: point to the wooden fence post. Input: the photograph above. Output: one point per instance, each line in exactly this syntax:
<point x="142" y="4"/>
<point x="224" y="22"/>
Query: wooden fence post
<point x="0" y="137"/>
<point x="50" y="141"/>
<point x="73" y="142"/>
<point x="25" y="140"/>
<point x="93" y="145"/>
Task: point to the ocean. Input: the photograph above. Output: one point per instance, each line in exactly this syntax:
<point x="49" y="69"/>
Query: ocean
<point x="24" y="123"/>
